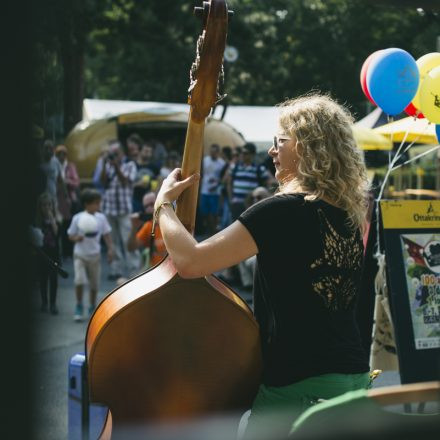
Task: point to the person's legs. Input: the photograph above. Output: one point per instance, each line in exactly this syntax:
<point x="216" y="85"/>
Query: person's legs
<point x="118" y="258"/>
<point x="133" y="260"/>
<point x="79" y="293"/>
<point x="43" y="278"/>
<point x="80" y="278"/>
<point x="226" y="214"/>
<point x="204" y="212"/>
<point x="53" y="287"/>
<point x="94" y="275"/>
<point x="213" y="213"/>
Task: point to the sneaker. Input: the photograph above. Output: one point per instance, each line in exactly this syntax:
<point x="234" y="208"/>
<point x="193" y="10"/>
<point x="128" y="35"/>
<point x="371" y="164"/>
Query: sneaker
<point x="78" y="316"/>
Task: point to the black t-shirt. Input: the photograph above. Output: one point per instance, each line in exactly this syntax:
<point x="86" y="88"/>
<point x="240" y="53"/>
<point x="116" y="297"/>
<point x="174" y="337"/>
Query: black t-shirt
<point x="306" y="282"/>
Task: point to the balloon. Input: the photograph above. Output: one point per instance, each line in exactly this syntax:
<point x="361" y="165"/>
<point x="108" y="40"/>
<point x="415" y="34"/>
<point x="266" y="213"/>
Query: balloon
<point x="425" y="64"/>
<point x="392" y="79"/>
<point x="364" y="75"/>
<point x="437" y="132"/>
<point x="430" y="96"/>
<point x="410" y="110"/>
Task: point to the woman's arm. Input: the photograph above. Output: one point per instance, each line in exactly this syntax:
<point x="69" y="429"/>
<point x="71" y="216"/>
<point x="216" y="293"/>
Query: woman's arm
<point x="192" y="259"/>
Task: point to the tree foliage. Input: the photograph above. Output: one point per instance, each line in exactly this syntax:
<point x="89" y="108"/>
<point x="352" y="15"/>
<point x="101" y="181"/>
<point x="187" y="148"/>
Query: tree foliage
<point x="143" y="49"/>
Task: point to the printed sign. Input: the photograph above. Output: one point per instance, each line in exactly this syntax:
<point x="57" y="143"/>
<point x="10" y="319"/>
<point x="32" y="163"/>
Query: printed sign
<point x="421" y="255"/>
<point x="411" y="233"/>
<point x="410" y="214"/>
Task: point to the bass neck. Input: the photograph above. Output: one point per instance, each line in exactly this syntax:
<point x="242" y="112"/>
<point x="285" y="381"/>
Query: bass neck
<point x="191" y="164"/>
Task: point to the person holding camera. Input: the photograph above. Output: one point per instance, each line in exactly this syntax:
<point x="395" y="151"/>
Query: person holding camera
<point x="117" y="177"/>
<point x="140" y="237"/>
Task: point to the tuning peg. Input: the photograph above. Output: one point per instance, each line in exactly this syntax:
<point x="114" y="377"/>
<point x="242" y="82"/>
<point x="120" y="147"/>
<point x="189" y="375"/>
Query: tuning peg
<point x="202" y="11"/>
<point x="198" y="12"/>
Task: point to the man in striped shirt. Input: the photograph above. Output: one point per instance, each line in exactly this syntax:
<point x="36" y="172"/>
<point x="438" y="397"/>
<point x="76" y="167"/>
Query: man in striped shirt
<point x="244" y="177"/>
<point x="117" y="177"/>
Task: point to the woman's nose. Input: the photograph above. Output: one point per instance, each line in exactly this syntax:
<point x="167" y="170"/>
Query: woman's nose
<point x="271" y="151"/>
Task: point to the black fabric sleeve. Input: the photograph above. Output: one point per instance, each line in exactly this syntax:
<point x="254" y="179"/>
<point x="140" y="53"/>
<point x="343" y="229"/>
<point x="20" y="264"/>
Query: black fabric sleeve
<point x="267" y="219"/>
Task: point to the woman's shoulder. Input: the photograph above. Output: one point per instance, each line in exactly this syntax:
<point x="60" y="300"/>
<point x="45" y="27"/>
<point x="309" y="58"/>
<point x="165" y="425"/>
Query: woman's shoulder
<point x="277" y="205"/>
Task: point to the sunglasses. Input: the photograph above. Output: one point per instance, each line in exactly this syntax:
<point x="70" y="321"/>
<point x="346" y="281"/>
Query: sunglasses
<point x="277" y="140"/>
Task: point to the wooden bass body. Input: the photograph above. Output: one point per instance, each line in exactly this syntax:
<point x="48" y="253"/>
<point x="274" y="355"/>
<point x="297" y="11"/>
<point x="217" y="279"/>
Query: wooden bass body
<point x="161" y="348"/>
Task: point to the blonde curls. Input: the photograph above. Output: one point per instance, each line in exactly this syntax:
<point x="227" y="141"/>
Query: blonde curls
<point x="330" y="164"/>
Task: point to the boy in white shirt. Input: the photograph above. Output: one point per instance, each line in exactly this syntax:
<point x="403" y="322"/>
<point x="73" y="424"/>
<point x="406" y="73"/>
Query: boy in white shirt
<point x="85" y="230"/>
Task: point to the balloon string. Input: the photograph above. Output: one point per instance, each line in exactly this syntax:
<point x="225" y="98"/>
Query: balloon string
<point x="391" y="164"/>
<point x="392" y="167"/>
<point x="416" y="139"/>
<point x="417" y="157"/>
<point x="378" y="252"/>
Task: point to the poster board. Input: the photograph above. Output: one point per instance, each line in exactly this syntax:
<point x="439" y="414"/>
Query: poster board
<point x="411" y="231"/>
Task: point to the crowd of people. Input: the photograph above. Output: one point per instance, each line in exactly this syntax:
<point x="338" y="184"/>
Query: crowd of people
<point x="114" y="214"/>
<point x="308" y="200"/>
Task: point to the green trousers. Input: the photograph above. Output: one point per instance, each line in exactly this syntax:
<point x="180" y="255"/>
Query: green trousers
<point x="276" y="408"/>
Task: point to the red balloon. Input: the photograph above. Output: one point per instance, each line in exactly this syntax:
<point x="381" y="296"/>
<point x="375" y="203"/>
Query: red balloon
<point x="363" y="76"/>
<point x="412" y="111"/>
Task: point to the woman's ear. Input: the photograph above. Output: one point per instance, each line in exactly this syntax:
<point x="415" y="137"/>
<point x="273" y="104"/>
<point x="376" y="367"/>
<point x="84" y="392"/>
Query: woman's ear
<point x="299" y="148"/>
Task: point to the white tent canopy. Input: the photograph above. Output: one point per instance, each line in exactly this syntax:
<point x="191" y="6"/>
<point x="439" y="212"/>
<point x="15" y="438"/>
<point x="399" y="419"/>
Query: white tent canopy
<point x="94" y="109"/>
<point x="371" y="120"/>
<point x="257" y="124"/>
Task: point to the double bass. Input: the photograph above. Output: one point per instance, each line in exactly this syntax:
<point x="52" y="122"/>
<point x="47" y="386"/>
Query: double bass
<point x="161" y="348"/>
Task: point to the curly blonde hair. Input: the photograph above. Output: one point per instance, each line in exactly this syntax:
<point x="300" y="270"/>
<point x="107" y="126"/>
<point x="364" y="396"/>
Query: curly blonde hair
<point x="330" y="164"/>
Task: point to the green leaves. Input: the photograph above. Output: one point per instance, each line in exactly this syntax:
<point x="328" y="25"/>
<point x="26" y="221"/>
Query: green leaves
<point x="143" y="49"/>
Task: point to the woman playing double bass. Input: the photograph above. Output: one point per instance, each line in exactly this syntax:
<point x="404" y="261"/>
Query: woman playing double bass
<point x="307" y="238"/>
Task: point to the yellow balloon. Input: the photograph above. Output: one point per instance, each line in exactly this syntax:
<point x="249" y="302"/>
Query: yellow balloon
<point x="425" y="64"/>
<point x="430" y="96"/>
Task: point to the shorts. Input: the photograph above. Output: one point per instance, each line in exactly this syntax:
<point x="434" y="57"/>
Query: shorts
<point x="87" y="271"/>
<point x="209" y="204"/>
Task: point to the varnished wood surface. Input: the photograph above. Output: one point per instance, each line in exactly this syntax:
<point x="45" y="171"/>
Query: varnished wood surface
<point x="407" y="393"/>
<point x="186" y="349"/>
<point x="192" y="159"/>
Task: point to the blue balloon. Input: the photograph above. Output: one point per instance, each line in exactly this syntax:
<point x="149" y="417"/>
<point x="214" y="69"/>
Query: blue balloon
<point x="392" y="80"/>
<point x="437" y="132"/>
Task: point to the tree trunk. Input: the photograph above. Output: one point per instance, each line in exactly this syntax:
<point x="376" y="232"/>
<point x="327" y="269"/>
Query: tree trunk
<point x="72" y="53"/>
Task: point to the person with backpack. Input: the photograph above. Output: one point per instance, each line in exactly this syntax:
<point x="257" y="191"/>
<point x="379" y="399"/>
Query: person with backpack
<point x="244" y="177"/>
